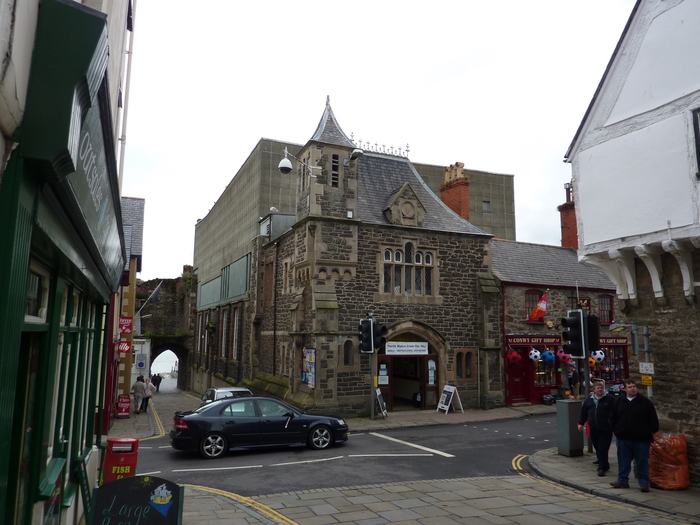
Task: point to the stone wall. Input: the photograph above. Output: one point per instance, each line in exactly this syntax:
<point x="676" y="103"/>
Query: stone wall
<point x="674" y="335"/>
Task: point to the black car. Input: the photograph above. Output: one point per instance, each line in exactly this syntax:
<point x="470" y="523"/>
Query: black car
<point x="248" y="422"/>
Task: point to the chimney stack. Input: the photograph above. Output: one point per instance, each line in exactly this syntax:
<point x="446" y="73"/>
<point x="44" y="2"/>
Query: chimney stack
<point x="567" y="213"/>
<point x="455" y="190"/>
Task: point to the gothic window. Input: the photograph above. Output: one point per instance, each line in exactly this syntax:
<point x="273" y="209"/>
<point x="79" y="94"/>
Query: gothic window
<point x="408" y="271"/>
<point x="335" y="171"/>
<point x="459" y="365"/>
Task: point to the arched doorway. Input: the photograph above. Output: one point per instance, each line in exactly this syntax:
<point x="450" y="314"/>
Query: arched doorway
<point x="177" y="346"/>
<point x="410" y="367"/>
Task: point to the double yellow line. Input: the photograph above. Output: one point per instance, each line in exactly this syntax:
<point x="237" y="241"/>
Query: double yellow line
<point x="248" y="502"/>
<point x="160" y="429"/>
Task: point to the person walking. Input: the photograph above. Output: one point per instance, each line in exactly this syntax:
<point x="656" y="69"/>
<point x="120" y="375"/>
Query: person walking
<point x="596" y="412"/>
<point x="139" y="390"/>
<point x="634" y="422"/>
<point x="147" y="395"/>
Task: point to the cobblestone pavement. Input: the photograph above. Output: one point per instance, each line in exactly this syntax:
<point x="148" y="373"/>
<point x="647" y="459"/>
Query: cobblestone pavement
<point x="563" y="490"/>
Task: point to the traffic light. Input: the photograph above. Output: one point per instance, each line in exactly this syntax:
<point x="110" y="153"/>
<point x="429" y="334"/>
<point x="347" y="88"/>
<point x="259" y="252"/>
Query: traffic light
<point x="575" y="324"/>
<point x="379" y="332"/>
<point x="366" y="336"/>
<point x="592" y="334"/>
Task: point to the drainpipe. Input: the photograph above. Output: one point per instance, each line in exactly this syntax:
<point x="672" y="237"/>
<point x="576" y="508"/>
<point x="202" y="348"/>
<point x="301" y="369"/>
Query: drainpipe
<point x="503" y="331"/>
<point x="274" y="312"/>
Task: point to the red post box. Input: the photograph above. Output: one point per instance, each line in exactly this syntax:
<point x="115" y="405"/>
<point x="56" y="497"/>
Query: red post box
<point x="123" y="406"/>
<point x="120" y="461"/>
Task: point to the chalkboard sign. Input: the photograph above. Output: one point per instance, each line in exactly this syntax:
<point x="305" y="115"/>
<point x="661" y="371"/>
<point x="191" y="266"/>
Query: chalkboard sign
<point x="84" y="485"/>
<point x="138" y="500"/>
<point x="448" y="393"/>
<point x="381" y="403"/>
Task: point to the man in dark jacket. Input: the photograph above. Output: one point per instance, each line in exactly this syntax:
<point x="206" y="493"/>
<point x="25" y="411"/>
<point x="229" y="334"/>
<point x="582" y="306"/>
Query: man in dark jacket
<point x="596" y="411"/>
<point x="634" y="422"/>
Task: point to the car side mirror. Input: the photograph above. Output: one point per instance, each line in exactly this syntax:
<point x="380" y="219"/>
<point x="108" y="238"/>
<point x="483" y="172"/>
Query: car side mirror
<point x="290" y="414"/>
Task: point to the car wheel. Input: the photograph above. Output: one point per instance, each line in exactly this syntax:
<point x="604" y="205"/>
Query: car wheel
<point x="320" y="437"/>
<point x="213" y="446"/>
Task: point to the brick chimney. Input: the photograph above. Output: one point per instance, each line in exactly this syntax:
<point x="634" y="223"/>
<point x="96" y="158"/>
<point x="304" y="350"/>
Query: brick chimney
<point x="567" y="212"/>
<point x="455" y="191"/>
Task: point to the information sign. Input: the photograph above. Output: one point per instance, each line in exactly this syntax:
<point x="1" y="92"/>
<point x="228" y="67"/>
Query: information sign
<point x="448" y="394"/>
<point x="410" y="348"/>
<point x="646" y="368"/>
<point x="647" y="380"/>
<point x="381" y="403"/>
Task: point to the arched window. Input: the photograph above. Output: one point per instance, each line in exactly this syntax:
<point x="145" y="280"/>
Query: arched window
<point x="347" y="353"/>
<point x="459" y="365"/>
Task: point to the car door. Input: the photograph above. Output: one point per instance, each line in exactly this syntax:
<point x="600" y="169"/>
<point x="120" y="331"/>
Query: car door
<point x="280" y="425"/>
<point x="240" y="423"/>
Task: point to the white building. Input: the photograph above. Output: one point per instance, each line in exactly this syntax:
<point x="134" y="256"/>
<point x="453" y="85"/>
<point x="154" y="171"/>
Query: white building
<point x="636" y="183"/>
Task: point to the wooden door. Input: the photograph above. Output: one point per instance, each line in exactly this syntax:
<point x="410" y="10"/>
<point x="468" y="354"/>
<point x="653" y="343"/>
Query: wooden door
<point x="517" y="390"/>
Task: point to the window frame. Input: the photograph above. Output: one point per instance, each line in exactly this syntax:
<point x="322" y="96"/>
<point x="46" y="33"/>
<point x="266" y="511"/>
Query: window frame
<point x="396" y="269"/>
<point x="529" y="294"/>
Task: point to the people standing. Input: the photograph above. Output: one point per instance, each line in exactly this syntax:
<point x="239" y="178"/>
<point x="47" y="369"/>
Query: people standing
<point x="139" y="390"/>
<point x="634" y="422"/>
<point x="572" y="376"/>
<point x="596" y="411"/>
<point x="157" y="379"/>
<point x="148" y="394"/>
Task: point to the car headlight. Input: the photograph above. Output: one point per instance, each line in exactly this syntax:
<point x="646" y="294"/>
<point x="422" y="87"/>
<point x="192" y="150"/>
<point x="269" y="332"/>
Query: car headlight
<point x="341" y="422"/>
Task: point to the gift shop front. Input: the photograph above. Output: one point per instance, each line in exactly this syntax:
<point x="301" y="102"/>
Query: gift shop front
<point x="614" y="367"/>
<point x="532" y="368"/>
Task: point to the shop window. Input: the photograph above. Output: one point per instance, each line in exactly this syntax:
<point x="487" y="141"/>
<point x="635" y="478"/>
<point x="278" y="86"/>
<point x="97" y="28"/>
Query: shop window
<point x="613" y="370"/>
<point x="532" y="297"/>
<point x="37" y="298"/>
<point x="605" y="307"/>
<point x="545" y="375"/>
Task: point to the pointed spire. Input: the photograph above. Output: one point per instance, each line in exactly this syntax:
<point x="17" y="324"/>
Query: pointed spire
<point x="329" y="131"/>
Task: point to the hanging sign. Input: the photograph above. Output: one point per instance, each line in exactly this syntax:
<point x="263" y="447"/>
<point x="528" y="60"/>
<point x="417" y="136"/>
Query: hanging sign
<point x="124" y="347"/>
<point x="126" y="325"/>
<point x="411" y="348"/>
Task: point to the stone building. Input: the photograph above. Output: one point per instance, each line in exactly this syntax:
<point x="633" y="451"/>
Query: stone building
<point x="524" y="273"/>
<point x="366" y="234"/>
<point x="635" y="162"/>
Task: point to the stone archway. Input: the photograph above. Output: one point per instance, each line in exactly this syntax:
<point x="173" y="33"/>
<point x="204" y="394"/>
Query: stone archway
<point x="177" y="345"/>
<point x="410" y="330"/>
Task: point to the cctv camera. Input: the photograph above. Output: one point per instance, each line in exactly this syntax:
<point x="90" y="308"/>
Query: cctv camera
<point x="356" y="153"/>
<point x="285" y="166"/>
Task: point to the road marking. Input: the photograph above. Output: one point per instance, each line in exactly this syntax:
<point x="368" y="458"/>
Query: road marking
<point x="302" y="462"/>
<point x="216" y="468"/>
<point x="252" y="507"/>
<point x="595" y="499"/>
<point x="445" y="454"/>
<point x="389" y="455"/>
<point x="144" y="448"/>
<point x="159" y="429"/>
<point x="165" y="446"/>
<point x="149" y="473"/>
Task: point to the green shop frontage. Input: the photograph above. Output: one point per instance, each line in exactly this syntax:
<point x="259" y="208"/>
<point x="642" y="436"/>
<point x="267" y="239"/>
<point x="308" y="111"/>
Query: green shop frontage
<point x="62" y="258"/>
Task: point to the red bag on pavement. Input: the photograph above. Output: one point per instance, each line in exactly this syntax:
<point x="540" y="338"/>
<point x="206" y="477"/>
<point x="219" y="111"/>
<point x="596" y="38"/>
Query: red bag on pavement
<point x="668" y="462"/>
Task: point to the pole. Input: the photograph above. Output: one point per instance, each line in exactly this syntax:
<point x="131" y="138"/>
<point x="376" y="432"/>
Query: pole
<point x="372" y="369"/>
<point x="647" y="355"/>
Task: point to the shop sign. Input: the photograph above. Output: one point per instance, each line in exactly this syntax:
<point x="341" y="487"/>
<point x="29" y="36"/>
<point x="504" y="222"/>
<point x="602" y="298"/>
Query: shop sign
<point x="613" y="341"/>
<point x="412" y="348"/>
<point x="124" y="347"/>
<point x="533" y="340"/>
<point x="91" y="186"/>
<point x="126" y="325"/>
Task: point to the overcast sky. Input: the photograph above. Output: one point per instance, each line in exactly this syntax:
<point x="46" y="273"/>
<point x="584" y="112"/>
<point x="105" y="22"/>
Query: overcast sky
<point x="500" y="85"/>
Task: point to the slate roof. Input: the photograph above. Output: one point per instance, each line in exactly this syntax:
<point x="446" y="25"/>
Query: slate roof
<point x="132" y="220"/>
<point x="381" y="175"/>
<point x="543" y="265"/>
<point x="329" y="131"/>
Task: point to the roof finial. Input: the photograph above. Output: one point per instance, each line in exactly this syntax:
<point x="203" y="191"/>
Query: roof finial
<point x="328" y="100"/>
